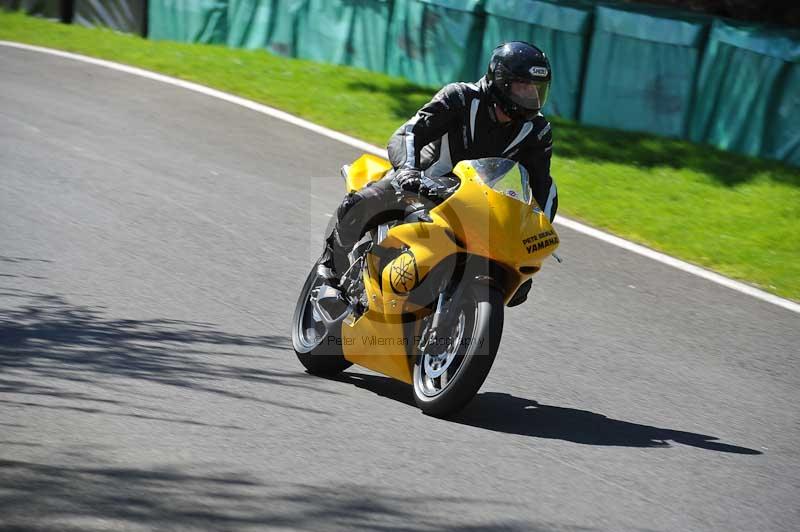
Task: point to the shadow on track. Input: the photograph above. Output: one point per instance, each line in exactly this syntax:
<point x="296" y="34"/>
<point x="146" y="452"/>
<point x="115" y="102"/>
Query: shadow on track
<point x="502" y="412"/>
<point x="39" y="496"/>
<point x="379" y="385"/>
<point x="48" y="345"/>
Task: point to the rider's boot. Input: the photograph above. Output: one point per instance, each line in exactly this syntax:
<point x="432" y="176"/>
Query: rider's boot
<point x="333" y="301"/>
<point x="346" y="228"/>
<point x="326" y="269"/>
<point x="334" y="260"/>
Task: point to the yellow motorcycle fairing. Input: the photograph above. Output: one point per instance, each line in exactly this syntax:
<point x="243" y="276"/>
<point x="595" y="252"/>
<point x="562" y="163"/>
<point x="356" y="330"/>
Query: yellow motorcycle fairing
<point x="497" y="226"/>
<point x="476" y="220"/>
<point x="364" y="170"/>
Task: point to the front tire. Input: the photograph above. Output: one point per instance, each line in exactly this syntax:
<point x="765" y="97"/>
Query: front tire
<point x="445" y="384"/>
<point x="318" y="349"/>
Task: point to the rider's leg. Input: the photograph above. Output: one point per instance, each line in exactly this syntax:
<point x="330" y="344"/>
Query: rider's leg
<point x="358" y="213"/>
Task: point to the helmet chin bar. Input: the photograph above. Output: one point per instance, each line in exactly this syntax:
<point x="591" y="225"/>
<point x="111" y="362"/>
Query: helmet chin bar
<point x="520" y="116"/>
<point x="512" y="111"/>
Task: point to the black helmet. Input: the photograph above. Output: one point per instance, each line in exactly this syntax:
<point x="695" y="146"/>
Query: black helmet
<point x="526" y="65"/>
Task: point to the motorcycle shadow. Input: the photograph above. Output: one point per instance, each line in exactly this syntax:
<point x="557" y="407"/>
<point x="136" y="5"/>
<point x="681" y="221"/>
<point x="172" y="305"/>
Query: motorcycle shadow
<point x="379" y="385"/>
<point x="506" y="413"/>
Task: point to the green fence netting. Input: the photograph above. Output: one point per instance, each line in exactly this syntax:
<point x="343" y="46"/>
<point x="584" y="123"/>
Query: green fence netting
<point x="615" y="66"/>
<point x="433" y="42"/>
<point x="561" y="30"/>
<point x="123" y="15"/>
<point x="641" y="70"/>
<point x="45" y="8"/>
<point x="202" y="21"/>
<point x="349" y="32"/>
<point x="249" y="22"/>
<point x="270" y="24"/>
<point x="749" y="92"/>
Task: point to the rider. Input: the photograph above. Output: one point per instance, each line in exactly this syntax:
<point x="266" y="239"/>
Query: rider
<point x="499" y="116"/>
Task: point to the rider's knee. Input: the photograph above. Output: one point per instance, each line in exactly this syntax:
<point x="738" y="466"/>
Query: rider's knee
<point x="367" y="199"/>
<point x="347" y="204"/>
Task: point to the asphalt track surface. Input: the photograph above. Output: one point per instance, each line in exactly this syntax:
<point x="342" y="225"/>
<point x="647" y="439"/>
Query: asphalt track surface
<point x="152" y="243"/>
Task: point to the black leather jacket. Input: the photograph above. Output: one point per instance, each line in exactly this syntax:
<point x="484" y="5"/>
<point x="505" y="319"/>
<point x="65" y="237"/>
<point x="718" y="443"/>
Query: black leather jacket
<point x="458" y="123"/>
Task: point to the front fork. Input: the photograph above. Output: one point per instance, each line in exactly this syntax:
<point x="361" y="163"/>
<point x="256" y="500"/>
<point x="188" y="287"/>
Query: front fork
<point x="449" y="297"/>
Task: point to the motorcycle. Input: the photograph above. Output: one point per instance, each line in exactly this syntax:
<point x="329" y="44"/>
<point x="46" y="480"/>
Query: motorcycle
<point x="426" y="294"/>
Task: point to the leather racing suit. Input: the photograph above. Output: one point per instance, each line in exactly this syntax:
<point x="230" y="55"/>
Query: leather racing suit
<point x="457" y="124"/>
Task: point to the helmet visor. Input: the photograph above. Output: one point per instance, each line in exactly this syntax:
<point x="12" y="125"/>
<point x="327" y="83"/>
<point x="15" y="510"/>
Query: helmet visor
<point x="529" y="95"/>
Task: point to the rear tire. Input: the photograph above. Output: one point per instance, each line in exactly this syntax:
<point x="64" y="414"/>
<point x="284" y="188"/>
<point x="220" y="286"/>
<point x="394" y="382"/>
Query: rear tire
<point x="319" y="350"/>
<point x="482" y="327"/>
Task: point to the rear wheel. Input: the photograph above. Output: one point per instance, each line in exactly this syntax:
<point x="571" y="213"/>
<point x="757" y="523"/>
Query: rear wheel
<point x="318" y="348"/>
<point x="448" y="374"/>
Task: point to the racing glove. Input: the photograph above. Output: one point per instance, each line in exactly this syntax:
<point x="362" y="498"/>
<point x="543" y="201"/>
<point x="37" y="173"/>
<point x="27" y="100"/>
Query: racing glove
<point x="408" y="179"/>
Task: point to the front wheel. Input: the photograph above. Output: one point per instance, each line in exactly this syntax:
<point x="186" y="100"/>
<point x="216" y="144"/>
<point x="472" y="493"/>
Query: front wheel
<point x="448" y="374"/>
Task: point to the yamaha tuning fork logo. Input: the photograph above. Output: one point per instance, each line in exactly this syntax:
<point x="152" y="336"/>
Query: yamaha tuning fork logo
<point x="403" y="275"/>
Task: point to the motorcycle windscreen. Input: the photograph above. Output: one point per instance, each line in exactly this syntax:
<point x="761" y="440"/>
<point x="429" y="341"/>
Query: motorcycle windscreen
<point x="504" y="176"/>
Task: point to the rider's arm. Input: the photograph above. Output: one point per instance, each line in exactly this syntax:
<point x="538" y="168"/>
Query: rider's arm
<point x="535" y="157"/>
<point x="430" y="123"/>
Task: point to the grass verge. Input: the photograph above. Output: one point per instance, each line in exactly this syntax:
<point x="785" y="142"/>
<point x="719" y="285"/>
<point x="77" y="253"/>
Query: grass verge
<point x="737" y="215"/>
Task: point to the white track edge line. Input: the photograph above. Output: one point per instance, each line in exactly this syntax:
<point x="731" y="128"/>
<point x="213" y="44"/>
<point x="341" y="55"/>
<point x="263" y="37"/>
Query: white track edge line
<point x="680" y="265"/>
<point x="364" y="146"/>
